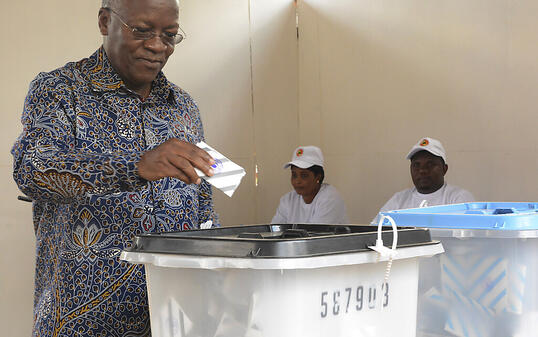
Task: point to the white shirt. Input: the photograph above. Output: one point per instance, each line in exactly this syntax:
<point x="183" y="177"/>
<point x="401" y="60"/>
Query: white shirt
<point x="326" y="208"/>
<point x="411" y="198"/>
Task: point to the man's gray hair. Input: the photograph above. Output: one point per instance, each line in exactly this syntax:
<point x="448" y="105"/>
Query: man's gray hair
<point x="108" y="3"/>
<point x="112" y="3"/>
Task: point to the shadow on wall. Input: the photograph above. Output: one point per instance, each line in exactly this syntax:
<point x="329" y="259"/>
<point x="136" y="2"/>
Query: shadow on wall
<point x="240" y="65"/>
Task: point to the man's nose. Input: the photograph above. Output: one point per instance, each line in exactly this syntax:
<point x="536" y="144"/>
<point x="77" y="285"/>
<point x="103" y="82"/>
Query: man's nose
<point x="423" y="169"/>
<point x="156" y="44"/>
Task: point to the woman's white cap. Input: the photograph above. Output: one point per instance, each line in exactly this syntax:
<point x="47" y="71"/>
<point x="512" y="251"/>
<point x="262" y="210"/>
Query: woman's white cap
<point x="305" y="157"/>
<point x="431" y="145"/>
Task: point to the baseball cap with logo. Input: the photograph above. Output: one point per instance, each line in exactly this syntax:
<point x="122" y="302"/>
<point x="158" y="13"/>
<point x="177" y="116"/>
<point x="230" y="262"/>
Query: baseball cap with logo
<point x="305" y="157"/>
<point x="431" y="145"/>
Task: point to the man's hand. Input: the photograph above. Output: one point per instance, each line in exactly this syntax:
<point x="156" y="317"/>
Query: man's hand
<point x="177" y="159"/>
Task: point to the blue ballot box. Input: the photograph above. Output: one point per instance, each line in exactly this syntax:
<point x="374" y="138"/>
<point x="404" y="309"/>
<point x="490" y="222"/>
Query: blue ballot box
<point x="486" y="282"/>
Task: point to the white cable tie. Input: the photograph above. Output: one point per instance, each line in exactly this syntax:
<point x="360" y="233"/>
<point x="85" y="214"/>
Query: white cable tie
<point x="379" y="247"/>
<point x="385" y="251"/>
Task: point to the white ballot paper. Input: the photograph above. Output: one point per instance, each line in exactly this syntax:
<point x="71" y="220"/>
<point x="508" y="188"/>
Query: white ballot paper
<point x="227" y="175"/>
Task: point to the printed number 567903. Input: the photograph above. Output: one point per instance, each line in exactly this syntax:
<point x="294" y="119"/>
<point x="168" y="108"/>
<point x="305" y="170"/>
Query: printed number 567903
<point x="338" y="302"/>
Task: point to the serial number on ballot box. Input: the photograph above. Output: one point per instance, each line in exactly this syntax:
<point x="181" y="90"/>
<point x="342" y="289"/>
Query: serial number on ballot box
<point x="343" y="301"/>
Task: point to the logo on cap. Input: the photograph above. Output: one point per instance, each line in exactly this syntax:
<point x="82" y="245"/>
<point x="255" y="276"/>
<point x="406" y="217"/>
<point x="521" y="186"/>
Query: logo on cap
<point x="424" y="142"/>
<point x="299" y="153"/>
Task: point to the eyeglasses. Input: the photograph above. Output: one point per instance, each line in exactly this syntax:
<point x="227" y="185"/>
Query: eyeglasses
<point x="147" y="34"/>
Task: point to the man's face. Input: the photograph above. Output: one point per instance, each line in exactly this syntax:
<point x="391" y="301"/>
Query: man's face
<point x="139" y="61"/>
<point x="428" y="172"/>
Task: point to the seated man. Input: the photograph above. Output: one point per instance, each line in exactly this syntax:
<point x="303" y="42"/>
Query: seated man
<point x="428" y="169"/>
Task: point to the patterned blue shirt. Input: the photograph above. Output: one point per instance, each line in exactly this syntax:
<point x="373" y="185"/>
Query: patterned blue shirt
<point x="83" y="133"/>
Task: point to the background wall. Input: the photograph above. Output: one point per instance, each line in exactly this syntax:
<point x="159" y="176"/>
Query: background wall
<point x="40" y="36"/>
<point x="377" y="75"/>
<point x="240" y="63"/>
<point x="364" y="81"/>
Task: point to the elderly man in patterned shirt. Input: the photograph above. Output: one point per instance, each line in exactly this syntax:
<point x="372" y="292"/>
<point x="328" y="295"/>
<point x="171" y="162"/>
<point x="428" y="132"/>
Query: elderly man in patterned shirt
<point x="106" y="153"/>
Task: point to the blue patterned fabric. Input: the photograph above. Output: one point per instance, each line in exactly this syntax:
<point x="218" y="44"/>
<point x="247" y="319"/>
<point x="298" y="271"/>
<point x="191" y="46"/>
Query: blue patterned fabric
<point x="83" y="133"/>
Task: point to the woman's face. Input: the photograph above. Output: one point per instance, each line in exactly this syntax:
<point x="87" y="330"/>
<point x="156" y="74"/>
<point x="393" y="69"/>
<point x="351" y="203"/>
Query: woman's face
<point x="304" y="181"/>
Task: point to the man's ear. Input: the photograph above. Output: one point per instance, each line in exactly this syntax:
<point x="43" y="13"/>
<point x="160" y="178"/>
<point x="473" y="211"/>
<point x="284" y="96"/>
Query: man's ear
<point x="104" y="21"/>
<point x="445" y="169"/>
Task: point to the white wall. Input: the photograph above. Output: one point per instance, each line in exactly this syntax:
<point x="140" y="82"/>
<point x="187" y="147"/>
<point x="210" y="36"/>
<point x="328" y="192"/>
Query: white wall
<point x="39" y="36"/>
<point x="377" y="75"/>
<point x="240" y="63"/>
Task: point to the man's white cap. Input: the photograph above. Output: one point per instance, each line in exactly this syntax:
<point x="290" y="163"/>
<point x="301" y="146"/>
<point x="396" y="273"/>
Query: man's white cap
<point x="431" y="145"/>
<point x="305" y="157"/>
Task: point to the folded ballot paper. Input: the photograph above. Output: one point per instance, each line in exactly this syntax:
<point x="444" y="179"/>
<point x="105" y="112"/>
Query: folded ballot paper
<point x="227" y="175"/>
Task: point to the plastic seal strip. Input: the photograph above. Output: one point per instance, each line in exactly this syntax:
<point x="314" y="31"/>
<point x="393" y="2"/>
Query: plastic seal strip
<point x="381" y="249"/>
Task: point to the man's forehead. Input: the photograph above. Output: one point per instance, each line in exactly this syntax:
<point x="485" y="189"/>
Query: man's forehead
<point x="424" y="155"/>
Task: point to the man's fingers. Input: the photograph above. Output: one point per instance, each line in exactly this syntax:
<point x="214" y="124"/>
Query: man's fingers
<point x="184" y="168"/>
<point x="196" y="156"/>
<point x="181" y="176"/>
<point x="170" y="169"/>
<point x="198" y="153"/>
<point x="175" y="158"/>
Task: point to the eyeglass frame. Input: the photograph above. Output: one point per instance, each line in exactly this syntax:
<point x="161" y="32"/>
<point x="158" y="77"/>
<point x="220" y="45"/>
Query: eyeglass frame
<point x="178" y="37"/>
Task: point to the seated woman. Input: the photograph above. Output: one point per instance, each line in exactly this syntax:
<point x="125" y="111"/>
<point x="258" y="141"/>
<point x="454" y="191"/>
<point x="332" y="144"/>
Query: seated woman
<point x="311" y="201"/>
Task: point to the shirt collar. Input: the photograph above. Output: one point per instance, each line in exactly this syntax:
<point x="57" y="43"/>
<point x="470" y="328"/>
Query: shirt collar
<point x="103" y="77"/>
<point x="433" y="194"/>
